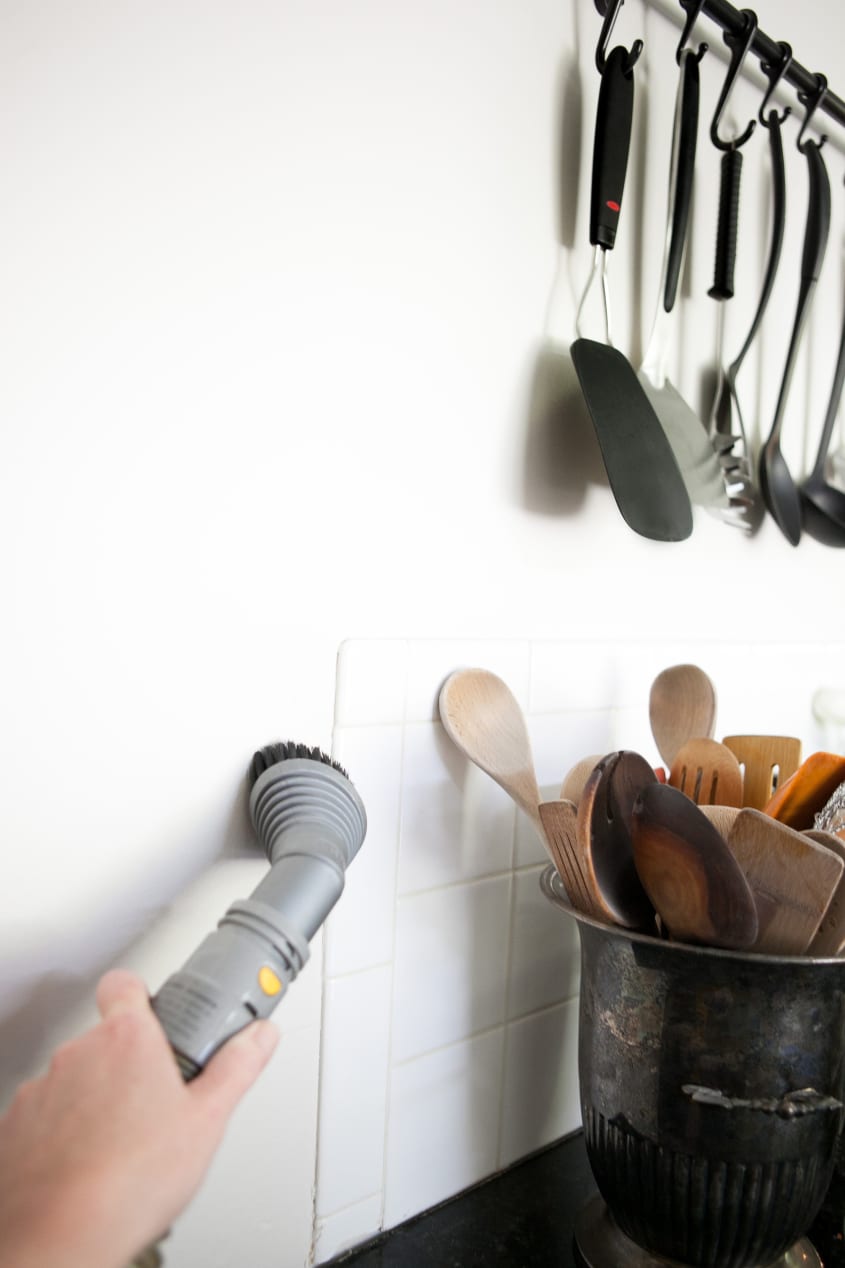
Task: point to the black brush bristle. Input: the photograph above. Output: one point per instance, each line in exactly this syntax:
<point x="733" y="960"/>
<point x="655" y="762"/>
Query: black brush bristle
<point x="283" y="752"/>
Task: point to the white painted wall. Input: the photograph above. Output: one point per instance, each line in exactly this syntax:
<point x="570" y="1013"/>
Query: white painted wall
<point x="275" y="278"/>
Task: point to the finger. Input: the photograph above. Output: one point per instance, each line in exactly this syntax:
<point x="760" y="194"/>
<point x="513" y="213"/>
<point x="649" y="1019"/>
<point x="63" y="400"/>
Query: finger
<point x="120" y="991"/>
<point x="234" y="1068"/>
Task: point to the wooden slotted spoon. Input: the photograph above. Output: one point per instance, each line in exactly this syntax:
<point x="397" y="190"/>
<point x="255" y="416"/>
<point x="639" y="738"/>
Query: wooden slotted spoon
<point x="767" y="762"/>
<point x="708" y="773"/>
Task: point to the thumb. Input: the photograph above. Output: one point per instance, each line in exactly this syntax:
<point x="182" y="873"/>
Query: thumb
<point x="234" y="1068"/>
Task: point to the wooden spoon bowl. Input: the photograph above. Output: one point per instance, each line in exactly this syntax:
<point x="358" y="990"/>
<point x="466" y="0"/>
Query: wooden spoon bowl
<point x="604" y="836"/>
<point x="688" y="872"/>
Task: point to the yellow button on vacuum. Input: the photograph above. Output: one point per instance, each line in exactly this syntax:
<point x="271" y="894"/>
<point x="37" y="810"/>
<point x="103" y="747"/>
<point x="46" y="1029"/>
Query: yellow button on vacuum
<point x="267" y="980"/>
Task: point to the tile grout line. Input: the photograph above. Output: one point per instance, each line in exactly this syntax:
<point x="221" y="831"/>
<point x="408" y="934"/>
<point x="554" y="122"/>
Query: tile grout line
<point x="388" y="1083"/>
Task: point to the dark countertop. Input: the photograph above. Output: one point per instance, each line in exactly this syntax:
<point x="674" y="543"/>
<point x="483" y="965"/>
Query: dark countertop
<point x="522" y="1218"/>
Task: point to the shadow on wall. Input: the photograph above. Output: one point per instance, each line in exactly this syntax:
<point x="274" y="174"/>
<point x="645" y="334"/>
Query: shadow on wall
<point x="562" y="455"/>
<point x="38" y="1010"/>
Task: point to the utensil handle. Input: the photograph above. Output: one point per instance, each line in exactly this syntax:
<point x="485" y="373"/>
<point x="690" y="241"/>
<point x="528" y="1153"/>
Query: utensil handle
<point x="723" y="277"/>
<point x="832" y="410"/>
<point x="684" y="160"/>
<point x="778" y="222"/>
<point x="614" y="115"/>
<point x="818" y="214"/>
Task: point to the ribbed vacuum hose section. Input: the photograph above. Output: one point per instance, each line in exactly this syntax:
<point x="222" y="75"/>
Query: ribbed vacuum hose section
<point x="294" y="798"/>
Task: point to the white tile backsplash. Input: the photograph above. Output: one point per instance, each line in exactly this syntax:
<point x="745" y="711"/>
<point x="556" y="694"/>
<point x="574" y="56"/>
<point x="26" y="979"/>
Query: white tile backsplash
<point x="540" y="1101"/>
<point x="360" y="932"/>
<point x="353" y="1088"/>
<point x="456" y="825"/>
<point x="443" y="1124"/>
<point x="451" y="993"/>
<point x="544" y="959"/>
<point x="450" y="970"/>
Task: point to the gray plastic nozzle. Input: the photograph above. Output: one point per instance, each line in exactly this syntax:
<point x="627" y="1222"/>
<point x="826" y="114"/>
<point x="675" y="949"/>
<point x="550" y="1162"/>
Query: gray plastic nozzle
<point x="311" y="822"/>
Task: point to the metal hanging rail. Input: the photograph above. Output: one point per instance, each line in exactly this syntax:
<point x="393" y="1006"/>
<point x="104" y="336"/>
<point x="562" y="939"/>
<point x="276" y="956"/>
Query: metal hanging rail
<point x="763" y="47"/>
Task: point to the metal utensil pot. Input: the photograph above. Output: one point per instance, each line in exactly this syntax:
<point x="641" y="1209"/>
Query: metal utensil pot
<point x="711" y="1091"/>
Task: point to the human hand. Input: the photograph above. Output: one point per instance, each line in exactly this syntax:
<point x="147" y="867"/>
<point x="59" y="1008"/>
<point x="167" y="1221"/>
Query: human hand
<point x="100" y="1154"/>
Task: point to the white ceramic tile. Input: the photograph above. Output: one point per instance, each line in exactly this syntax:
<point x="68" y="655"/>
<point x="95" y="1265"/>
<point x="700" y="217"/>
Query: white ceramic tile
<point x="545" y="956"/>
<point x="456" y="823"/>
<point x="630" y="729"/>
<point x="371" y="678"/>
<point x="443" y="1124"/>
<point x="359" y="931"/>
<point x="353" y="1089"/>
<point x="451" y="964"/>
<point x="541" y="1081"/>
<point x="340" y="1232"/>
<point x="431" y="661"/>
<point x="559" y="740"/>
<point x="257" y="1195"/>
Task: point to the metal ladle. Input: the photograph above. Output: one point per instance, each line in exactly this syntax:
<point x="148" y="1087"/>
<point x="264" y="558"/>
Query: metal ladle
<point x="822" y="504"/>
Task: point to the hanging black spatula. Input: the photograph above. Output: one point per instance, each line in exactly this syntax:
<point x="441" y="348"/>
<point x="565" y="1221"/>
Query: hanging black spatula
<point x="641" y="467"/>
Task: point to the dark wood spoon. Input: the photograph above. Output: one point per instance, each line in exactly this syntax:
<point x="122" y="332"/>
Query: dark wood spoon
<point x="689" y="873"/>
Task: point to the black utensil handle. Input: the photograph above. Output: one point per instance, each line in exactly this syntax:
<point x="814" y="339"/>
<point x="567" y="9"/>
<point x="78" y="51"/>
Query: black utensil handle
<point x="690" y="94"/>
<point x="778" y="222"/>
<point x="818" y="214"/>
<point x="723" y="276"/>
<point x="614" y="116"/>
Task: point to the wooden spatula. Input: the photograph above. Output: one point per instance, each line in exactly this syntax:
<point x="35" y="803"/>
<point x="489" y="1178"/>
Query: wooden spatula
<point x="708" y="773"/>
<point x="797" y="801"/>
<point x="830" y="939"/>
<point x="767" y="761"/>
<point x="793" y="880"/>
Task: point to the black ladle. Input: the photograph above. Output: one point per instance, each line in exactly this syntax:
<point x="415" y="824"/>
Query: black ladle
<point x="822" y="504"/>
<point x="780" y="492"/>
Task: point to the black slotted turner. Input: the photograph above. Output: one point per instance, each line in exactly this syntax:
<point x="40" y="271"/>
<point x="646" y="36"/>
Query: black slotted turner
<point x="644" y="476"/>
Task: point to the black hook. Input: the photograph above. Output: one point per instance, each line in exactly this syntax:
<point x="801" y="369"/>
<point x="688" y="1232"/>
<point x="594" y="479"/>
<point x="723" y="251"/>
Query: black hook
<point x="611" y="12"/>
<point x="739" y="46"/>
<point x="693" y="8"/>
<point x="774" y="72"/>
<point x="812" y="100"/>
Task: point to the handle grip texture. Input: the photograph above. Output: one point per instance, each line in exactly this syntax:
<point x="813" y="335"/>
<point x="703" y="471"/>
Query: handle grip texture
<point x="723" y="276"/>
<point x="818" y="214"/>
<point x="687" y="140"/>
<point x="614" y="116"/>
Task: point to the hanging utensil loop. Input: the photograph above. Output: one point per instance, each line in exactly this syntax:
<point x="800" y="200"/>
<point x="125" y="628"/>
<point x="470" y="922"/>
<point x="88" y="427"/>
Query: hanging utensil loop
<point x="739" y="45"/>
<point x="693" y="8"/>
<point x="611" y="12"/>
<point x="774" y="72"/>
<point x="812" y="101"/>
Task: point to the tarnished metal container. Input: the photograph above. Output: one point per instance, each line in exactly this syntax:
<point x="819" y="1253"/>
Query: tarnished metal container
<point x="711" y="1091"/>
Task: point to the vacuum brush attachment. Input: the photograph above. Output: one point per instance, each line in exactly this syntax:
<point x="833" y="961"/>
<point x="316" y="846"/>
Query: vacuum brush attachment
<point x="311" y="822"/>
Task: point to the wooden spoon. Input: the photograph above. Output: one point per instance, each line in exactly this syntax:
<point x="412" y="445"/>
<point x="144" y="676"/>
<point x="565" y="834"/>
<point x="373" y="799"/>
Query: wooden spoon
<point x="483" y="718"/>
<point x="681" y="707"/>
<point x="830" y="938"/>
<point x="708" y="773"/>
<point x="577" y="776"/>
<point x="767" y="762"/>
<point x="721" y="817"/>
<point x="604" y="839"/>
<point x="792" y="877"/>
<point x="798" y="800"/>
<point x="689" y="873"/>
